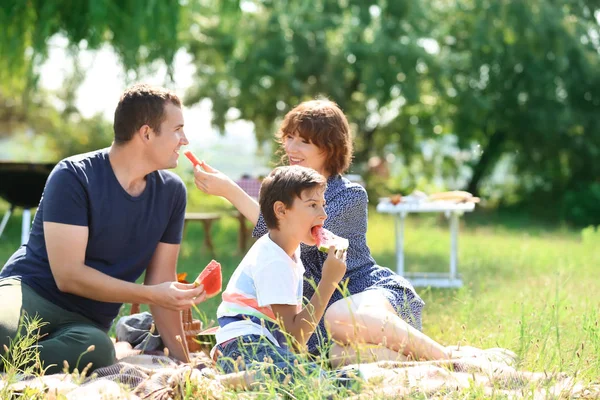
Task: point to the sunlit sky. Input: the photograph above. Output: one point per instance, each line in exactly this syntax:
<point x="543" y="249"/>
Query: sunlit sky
<point x="105" y="81"/>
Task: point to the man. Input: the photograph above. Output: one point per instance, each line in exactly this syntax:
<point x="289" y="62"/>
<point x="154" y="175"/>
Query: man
<point x="105" y="217"/>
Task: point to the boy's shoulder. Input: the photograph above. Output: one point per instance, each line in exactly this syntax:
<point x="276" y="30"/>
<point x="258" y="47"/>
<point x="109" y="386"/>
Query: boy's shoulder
<point x="265" y="252"/>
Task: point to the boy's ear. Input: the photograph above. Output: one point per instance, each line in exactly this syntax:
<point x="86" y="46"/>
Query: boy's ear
<point x="279" y="209"/>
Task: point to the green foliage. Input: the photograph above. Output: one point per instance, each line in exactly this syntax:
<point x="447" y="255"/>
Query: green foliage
<point x="522" y="78"/>
<point x="21" y="357"/>
<point x="515" y="78"/>
<point x="265" y="59"/>
<point x="60" y="130"/>
<point x="139" y="31"/>
<point x="581" y="205"/>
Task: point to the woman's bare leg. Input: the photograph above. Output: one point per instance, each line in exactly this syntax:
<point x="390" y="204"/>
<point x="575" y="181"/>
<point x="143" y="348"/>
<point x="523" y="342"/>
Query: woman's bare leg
<point x="340" y="356"/>
<point x="368" y="317"/>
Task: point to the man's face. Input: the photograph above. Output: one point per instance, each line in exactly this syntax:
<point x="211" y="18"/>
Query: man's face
<point x="167" y="143"/>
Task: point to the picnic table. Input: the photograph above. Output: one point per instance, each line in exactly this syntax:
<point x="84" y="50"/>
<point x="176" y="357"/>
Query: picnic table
<point x="452" y="211"/>
<point x="207" y="220"/>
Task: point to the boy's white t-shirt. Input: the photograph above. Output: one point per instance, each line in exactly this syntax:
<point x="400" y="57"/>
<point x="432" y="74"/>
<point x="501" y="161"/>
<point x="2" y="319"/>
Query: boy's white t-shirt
<point x="265" y="276"/>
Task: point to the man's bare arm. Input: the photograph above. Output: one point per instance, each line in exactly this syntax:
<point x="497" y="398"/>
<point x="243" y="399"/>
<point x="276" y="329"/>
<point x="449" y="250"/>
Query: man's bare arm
<point x="163" y="268"/>
<point x="66" y="246"/>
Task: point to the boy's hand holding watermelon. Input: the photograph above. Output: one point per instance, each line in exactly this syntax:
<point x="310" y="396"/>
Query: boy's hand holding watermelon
<point x="325" y="239"/>
<point x="334" y="267"/>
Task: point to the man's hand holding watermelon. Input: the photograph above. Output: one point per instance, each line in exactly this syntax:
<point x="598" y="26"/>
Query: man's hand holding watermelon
<point x="210" y="279"/>
<point x="177" y="296"/>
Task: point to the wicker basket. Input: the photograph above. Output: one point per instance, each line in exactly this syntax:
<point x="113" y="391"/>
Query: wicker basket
<point x="191" y="327"/>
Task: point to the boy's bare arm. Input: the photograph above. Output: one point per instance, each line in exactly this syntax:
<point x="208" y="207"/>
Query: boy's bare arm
<point x="302" y="324"/>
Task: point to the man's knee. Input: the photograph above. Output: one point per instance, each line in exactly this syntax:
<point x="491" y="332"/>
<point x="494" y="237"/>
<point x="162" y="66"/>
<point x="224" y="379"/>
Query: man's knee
<point x="88" y="345"/>
<point x="10" y="311"/>
<point x="100" y="350"/>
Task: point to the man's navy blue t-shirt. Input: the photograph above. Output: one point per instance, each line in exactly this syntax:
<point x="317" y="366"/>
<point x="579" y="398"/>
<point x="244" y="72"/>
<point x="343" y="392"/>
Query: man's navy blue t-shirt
<point x="124" y="231"/>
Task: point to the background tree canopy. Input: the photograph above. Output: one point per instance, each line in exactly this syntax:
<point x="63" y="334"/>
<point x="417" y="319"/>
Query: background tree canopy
<point x="453" y="89"/>
<point x="519" y="79"/>
<point x="139" y="31"/>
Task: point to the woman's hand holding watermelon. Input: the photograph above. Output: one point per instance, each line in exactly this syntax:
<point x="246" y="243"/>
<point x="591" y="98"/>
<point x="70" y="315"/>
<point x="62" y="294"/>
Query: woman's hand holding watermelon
<point x="212" y="181"/>
<point x="177" y="296"/>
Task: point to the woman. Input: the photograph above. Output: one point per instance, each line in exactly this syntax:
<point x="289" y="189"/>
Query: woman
<point x="382" y="309"/>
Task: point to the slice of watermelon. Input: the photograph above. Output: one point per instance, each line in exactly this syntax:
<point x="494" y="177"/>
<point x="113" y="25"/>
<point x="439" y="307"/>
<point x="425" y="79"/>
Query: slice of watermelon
<point x="211" y="278"/>
<point x="325" y="239"/>
<point x="192" y="157"/>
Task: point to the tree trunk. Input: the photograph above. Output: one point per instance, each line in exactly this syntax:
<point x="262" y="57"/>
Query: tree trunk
<point x="490" y="155"/>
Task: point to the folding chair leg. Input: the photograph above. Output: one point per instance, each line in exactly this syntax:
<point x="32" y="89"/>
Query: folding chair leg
<point x="25" y="225"/>
<point x="5" y="218"/>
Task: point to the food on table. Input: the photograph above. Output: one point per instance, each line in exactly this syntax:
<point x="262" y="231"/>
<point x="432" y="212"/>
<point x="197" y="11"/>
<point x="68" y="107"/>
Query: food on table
<point x="456" y="196"/>
<point x="395" y="199"/>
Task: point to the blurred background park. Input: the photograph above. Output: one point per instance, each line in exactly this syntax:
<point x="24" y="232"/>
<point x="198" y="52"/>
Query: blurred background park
<point x="498" y="98"/>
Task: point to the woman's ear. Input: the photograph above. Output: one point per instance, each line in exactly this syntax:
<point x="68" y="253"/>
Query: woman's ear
<point x="279" y="209"/>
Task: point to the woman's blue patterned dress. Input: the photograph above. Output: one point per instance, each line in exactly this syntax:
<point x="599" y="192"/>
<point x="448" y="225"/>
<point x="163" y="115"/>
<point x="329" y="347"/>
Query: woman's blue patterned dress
<point x="346" y="207"/>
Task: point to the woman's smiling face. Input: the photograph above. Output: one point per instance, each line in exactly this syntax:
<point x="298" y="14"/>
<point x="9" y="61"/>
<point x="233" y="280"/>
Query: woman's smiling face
<point x="301" y="151"/>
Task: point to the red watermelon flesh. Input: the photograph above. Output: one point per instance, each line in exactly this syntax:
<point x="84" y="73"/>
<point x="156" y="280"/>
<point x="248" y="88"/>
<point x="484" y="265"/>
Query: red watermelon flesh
<point x="324" y="239"/>
<point x="211" y="278"/>
<point x="192" y="157"/>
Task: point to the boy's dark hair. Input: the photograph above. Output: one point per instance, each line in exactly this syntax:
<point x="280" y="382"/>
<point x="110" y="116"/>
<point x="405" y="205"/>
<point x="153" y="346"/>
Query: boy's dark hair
<point x="324" y="124"/>
<point x="285" y="184"/>
<point x="141" y="105"/>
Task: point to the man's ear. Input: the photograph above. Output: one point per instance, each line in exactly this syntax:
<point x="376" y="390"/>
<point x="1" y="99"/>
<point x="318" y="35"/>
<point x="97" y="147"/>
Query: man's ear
<point x="144" y="133"/>
<point x="279" y="209"/>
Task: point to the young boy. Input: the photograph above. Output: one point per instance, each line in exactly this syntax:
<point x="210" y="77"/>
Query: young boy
<point x="262" y="304"/>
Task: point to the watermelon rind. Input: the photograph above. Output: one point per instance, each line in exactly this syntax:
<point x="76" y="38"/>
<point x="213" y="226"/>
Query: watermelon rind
<point x="339" y="243"/>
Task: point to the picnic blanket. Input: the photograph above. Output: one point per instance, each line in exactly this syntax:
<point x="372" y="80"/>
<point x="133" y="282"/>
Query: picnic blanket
<point x="490" y="373"/>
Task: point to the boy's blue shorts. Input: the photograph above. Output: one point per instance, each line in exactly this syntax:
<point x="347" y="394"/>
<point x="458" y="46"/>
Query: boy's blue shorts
<point x="258" y="353"/>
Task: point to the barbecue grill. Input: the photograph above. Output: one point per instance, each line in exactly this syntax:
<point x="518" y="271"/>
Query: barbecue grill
<point x="21" y="185"/>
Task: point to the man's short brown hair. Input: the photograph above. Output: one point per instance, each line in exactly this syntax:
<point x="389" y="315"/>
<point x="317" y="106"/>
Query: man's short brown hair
<point x="285" y="184"/>
<point x="141" y="105"/>
<point x="324" y="124"/>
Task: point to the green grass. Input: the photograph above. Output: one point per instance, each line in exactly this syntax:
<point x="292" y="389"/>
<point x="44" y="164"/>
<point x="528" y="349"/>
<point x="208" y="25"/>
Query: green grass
<point x="531" y="288"/>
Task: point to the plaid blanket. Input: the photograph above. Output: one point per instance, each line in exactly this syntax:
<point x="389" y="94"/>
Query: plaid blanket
<point x="489" y="373"/>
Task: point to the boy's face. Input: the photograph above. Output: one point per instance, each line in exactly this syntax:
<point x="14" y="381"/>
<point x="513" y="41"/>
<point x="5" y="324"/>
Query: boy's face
<point x="307" y="211"/>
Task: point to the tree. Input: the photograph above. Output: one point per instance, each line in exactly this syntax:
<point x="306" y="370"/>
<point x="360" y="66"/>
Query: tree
<point x="517" y="78"/>
<point x="522" y="78"/>
<point x="261" y="58"/>
<point x="51" y="133"/>
<point x="140" y="32"/>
